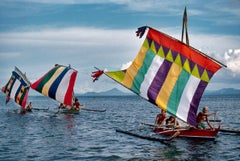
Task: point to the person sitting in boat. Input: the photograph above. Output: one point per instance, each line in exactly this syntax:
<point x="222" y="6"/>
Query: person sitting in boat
<point x="160" y="119"/>
<point x="172" y="122"/>
<point x="76" y="105"/>
<point x="203" y="116"/>
<point x="29" y="107"/>
<point x="61" y="106"/>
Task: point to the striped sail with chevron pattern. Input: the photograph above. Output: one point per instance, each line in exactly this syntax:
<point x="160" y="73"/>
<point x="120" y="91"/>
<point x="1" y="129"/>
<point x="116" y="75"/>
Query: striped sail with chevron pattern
<point x="169" y="74"/>
<point x="58" y="84"/>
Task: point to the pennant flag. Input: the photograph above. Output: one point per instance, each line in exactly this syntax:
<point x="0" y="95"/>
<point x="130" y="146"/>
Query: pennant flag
<point x="169" y="74"/>
<point x="17" y="88"/>
<point x="141" y="30"/>
<point x="58" y="84"/>
<point x="96" y="74"/>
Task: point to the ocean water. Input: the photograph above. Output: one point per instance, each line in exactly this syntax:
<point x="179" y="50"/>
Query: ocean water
<point x="49" y="135"/>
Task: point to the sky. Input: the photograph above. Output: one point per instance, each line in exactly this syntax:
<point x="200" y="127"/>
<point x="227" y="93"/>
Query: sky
<point x="36" y="34"/>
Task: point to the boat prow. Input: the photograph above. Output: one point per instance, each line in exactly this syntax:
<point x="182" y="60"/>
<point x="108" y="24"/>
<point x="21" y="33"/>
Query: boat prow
<point x="189" y="132"/>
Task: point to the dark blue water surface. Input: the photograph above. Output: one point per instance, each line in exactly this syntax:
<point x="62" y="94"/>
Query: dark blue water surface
<point x="45" y="135"/>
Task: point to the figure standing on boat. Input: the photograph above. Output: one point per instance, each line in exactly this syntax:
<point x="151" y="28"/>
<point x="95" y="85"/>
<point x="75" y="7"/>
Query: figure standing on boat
<point x="202" y="116"/>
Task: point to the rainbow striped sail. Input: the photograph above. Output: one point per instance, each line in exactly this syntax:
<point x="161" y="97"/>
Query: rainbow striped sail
<point x="169" y="74"/>
<point x="58" y="84"/>
<point x="17" y="88"/>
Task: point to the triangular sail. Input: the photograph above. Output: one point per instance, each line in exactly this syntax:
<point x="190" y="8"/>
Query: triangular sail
<point x="58" y="84"/>
<point x="17" y="88"/>
<point x="169" y="74"/>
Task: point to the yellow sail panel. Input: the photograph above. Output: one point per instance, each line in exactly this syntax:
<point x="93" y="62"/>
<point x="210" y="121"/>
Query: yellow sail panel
<point x="46" y="87"/>
<point x="133" y="69"/>
<point x="168" y="85"/>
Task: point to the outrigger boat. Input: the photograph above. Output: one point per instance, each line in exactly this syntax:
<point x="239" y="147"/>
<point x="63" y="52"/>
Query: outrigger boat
<point x="171" y="75"/>
<point x="189" y="132"/>
<point x="58" y="84"/>
<point x="70" y="111"/>
<point x="17" y="88"/>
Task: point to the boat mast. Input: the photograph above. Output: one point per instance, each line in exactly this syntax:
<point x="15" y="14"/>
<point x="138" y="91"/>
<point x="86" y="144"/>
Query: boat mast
<point x="185" y="26"/>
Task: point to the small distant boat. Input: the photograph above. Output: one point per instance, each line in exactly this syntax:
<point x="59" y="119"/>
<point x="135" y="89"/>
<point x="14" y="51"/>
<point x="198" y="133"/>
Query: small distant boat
<point x="17" y="88"/>
<point x="58" y="84"/>
<point x="171" y="75"/>
<point x="70" y="111"/>
<point x="82" y="107"/>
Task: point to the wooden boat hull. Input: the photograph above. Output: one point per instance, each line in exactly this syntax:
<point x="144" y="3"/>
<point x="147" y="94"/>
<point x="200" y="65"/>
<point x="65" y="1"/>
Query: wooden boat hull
<point x="70" y="111"/>
<point x="190" y="133"/>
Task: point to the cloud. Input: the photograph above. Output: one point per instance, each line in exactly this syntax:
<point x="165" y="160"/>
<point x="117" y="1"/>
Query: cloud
<point x="214" y="45"/>
<point x="66" y="36"/>
<point x="126" y="65"/>
<point x="232" y="58"/>
<point x="156" y="6"/>
<point x="92" y="43"/>
<point x="35" y="52"/>
<point x="9" y="55"/>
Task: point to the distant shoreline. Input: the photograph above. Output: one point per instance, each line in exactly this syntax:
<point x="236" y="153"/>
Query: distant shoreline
<point x="117" y="92"/>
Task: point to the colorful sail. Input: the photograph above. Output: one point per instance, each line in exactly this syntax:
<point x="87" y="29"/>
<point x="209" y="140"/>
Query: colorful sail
<point x="58" y="84"/>
<point x="17" y="88"/>
<point x="169" y="74"/>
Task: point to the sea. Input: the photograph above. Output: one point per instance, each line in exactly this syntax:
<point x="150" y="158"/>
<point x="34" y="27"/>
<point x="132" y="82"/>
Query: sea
<point x="49" y="135"/>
